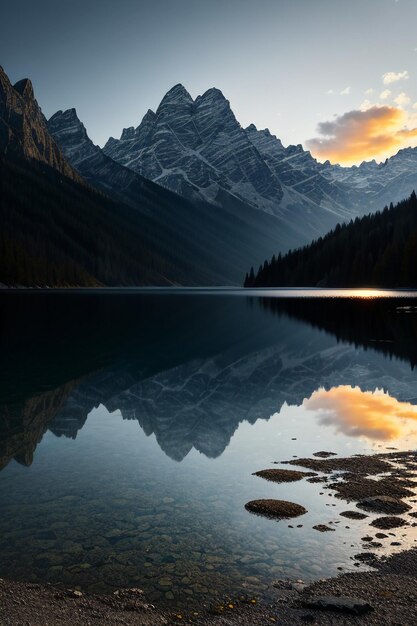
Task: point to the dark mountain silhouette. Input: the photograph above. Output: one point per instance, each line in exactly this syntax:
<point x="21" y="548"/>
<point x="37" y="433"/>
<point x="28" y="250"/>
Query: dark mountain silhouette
<point x="56" y="232"/>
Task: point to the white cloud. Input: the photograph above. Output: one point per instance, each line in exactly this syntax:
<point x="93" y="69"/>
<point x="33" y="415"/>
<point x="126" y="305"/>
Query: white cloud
<point x="345" y="91"/>
<point x="366" y="104"/>
<point x="385" y="94"/>
<point x="402" y="99"/>
<point x="415" y="105"/>
<point x="330" y="91"/>
<point x="369" y="92"/>
<point x="393" y="77"/>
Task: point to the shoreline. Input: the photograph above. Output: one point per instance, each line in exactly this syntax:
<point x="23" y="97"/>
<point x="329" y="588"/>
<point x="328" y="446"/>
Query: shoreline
<point x="314" y="292"/>
<point x="387" y="594"/>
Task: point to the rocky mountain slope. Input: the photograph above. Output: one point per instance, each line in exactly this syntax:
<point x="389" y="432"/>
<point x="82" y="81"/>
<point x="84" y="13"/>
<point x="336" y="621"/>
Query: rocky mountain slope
<point x="23" y="128"/>
<point x="378" y="184"/>
<point x="199" y="149"/>
<point x="93" y="165"/>
<point x="58" y="231"/>
<point x="217" y="237"/>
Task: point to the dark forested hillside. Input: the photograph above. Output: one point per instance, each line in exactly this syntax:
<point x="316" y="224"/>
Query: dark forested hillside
<point x="378" y="250"/>
<point x="56" y="232"/>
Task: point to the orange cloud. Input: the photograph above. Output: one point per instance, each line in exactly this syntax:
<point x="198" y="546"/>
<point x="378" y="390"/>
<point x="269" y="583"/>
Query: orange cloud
<point x="375" y="415"/>
<point x="360" y="135"/>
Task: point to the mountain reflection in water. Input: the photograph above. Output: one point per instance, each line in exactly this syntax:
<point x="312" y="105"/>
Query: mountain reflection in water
<point x="226" y="383"/>
<point x="190" y="368"/>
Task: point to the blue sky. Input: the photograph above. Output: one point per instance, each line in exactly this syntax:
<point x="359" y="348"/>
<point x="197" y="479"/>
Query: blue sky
<point x="288" y="65"/>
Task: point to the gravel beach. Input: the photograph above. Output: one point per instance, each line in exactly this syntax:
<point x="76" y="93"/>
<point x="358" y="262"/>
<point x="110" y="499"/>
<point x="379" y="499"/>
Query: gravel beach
<point x="385" y="595"/>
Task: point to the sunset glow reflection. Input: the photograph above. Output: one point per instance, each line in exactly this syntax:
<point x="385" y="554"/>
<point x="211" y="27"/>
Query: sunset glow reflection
<point x="372" y="414"/>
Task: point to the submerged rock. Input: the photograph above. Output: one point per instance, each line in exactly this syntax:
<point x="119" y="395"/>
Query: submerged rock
<point x="364" y="465"/>
<point x="384" y="504"/>
<point x="282" y="475"/>
<point x="369" y="558"/>
<point x="323" y="528"/>
<point x="323" y="454"/>
<point x="278" y="509"/>
<point x="353" y="515"/>
<point x="317" y="479"/>
<point x="344" y="604"/>
<point x="390" y="521"/>
<point x="354" y="487"/>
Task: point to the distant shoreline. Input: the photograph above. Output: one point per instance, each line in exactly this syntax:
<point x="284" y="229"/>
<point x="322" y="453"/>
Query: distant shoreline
<point x="292" y="292"/>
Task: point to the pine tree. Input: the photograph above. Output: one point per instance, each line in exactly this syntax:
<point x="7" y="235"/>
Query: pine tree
<point x="375" y="250"/>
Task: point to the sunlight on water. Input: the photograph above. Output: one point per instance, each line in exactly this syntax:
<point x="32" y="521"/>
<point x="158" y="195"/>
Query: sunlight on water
<point x="362" y="294"/>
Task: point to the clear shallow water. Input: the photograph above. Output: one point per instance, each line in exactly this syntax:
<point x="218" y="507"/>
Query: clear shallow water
<point x="131" y="426"/>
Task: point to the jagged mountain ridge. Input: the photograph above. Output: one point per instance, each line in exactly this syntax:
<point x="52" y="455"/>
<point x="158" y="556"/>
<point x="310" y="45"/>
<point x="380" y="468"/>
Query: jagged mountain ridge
<point x="90" y="161"/>
<point x="380" y="183"/>
<point x="58" y="231"/>
<point x="23" y="128"/>
<point x="219" y="239"/>
<point x="198" y="149"/>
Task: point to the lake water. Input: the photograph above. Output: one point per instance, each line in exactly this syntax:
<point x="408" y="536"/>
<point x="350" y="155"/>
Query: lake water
<point x="131" y="422"/>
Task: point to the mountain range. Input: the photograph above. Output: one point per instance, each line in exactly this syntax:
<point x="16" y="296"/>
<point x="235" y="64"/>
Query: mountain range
<point x="198" y="148"/>
<point x="187" y="197"/>
<point x="63" y="227"/>
<point x="214" y="240"/>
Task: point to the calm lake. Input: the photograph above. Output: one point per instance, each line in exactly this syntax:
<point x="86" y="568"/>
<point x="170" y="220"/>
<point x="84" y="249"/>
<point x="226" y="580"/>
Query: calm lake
<point x="131" y="422"/>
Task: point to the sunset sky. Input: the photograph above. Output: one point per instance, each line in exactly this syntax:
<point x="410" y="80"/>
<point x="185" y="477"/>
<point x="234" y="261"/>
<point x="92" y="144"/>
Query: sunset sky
<point x="338" y="77"/>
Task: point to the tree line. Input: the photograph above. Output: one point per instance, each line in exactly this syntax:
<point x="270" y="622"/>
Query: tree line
<point x="377" y="250"/>
<point x="56" y="232"/>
